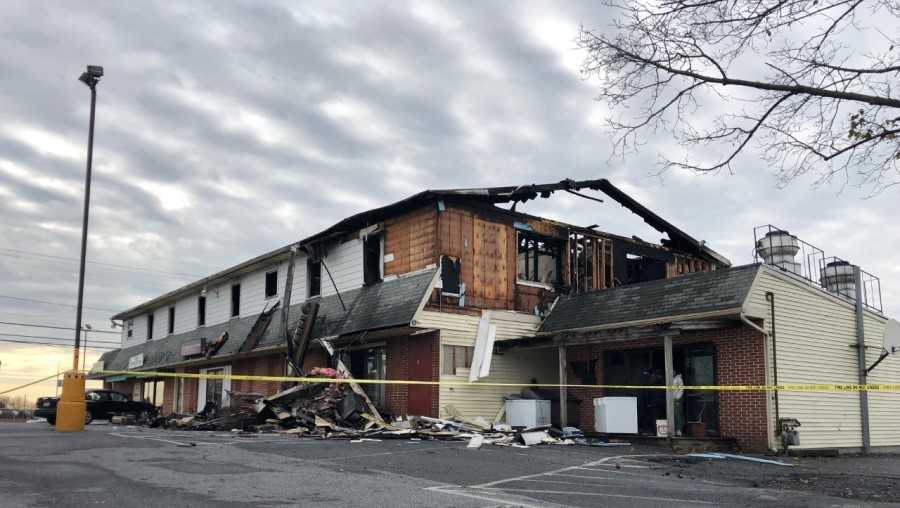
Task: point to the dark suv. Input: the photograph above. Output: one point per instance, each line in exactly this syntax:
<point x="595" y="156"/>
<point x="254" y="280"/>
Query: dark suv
<point x="101" y="405"/>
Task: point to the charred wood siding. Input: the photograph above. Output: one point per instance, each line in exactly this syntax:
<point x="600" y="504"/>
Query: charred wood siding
<point x="410" y="238"/>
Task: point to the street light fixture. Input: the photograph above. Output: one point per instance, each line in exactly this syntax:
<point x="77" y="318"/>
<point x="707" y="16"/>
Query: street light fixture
<point x="70" y="410"/>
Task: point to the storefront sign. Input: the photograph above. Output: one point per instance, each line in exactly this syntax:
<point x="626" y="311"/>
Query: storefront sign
<point x="136" y="361"/>
<point x="193" y="348"/>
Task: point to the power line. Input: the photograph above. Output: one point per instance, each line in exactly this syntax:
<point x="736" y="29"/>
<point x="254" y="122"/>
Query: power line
<point x="50" y="338"/>
<point x="21" y="299"/>
<point x="53" y="327"/>
<point x="31" y="342"/>
<point x="99" y="263"/>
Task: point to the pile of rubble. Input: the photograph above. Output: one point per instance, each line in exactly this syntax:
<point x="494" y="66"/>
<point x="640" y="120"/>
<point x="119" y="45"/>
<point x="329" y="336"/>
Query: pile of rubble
<point x="341" y="410"/>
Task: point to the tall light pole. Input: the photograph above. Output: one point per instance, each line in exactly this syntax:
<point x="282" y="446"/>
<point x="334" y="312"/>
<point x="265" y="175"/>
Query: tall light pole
<point x="90" y="77"/>
<point x="70" y="410"/>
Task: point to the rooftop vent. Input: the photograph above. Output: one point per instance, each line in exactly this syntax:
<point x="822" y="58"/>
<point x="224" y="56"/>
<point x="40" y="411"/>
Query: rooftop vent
<point x="837" y="277"/>
<point x="777" y="247"/>
<point x="780" y="248"/>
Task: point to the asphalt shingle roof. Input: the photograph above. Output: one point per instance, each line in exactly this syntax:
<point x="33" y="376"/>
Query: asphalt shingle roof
<point x="723" y="289"/>
<point x="386" y="304"/>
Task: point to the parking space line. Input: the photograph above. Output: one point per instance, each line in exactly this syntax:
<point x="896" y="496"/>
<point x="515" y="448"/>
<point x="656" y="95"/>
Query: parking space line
<point x="603" y="494"/>
<point x="583" y="476"/>
<point x="480" y="497"/>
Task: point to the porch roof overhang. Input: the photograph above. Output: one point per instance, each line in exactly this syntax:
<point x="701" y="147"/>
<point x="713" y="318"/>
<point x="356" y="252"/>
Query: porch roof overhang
<point x="672" y="326"/>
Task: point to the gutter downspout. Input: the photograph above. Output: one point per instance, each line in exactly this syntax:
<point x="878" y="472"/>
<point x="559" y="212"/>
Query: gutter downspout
<point x="770" y="297"/>
<point x="766" y="337"/>
<point x="861" y="360"/>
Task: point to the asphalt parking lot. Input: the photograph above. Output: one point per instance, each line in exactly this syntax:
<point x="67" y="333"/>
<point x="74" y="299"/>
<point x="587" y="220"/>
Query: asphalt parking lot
<point x="134" y="467"/>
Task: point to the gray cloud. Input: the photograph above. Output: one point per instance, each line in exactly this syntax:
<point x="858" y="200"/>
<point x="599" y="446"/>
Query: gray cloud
<point x="227" y="129"/>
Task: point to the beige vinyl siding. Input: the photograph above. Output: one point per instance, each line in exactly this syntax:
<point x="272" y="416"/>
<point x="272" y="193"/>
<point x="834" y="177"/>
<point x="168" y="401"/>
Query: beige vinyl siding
<point x="884" y="407"/>
<point x="815" y="334"/>
<point x="512" y="367"/>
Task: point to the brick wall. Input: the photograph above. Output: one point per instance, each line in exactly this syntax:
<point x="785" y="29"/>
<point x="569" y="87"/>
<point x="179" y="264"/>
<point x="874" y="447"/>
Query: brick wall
<point x="397" y="357"/>
<point x="739" y="360"/>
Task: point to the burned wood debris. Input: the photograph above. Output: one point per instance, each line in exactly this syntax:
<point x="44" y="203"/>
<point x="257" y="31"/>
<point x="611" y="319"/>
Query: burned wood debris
<point x="330" y="410"/>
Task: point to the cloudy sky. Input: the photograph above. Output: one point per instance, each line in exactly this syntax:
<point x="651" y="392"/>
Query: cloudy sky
<point x="230" y="128"/>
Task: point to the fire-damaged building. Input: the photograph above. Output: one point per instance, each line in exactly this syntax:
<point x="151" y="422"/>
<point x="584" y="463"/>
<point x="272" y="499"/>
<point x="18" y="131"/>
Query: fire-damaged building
<point x="458" y="286"/>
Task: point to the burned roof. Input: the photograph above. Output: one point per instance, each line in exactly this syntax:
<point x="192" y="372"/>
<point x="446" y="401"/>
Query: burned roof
<point x="387" y="304"/>
<point x="678" y="239"/>
<point x="686" y="295"/>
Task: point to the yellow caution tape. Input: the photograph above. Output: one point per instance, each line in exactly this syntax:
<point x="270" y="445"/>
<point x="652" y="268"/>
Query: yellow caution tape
<point x="26" y="385"/>
<point x="806" y="387"/>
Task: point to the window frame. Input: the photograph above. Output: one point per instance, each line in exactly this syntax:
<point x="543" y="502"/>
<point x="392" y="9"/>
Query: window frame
<point x="201" y="310"/>
<point x="235" y="300"/>
<point x="310" y="285"/>
<point x="150" y="319"/>
<point x="369" y="252"/>
<point x="454" y="350"/>
<point x="171" y="324"/>
<point x="129" y="328"/>
<point x="538" y="244"/>
<point x="274" y="281"/>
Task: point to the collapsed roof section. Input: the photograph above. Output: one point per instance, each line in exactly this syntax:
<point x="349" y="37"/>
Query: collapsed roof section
<point x="678" y="239"/>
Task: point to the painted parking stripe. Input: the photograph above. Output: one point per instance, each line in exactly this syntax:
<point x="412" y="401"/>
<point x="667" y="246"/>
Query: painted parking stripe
<point x="603" y="494"/>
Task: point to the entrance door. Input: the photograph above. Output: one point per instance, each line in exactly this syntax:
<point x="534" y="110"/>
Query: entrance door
<point x="699" y="370"/>
<point x="420" y="369"/>
<point x="214" y="388"/>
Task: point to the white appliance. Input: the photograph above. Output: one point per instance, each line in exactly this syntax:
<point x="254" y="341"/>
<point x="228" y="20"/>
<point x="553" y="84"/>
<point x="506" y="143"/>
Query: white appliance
<point x="527" y="412"/>
<point x="616" y="415"/>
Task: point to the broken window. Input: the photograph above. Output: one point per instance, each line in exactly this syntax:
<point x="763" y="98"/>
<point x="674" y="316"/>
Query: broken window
<point x="450" y="275"/>
<point x="372" y="259"/>
<point x="129" y="325"/>
<point x="538" y="259"/>
<point x="456" y="357"/>
<point x="271" y="283"/>
<point x="235" y="300"/>
<point x="149" y="326"/>
<point x="201" y="310"/>
<point x="313" y="277"/>
<point x="171" y="320"/>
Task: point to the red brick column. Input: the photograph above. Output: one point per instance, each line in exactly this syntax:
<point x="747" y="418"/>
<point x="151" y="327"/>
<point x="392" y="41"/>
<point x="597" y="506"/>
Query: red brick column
<point x="740" y="360"/>
<point x="397" y="357"/>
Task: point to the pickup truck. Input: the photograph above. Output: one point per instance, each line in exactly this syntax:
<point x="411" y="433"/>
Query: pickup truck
<point x="100" y="405"/>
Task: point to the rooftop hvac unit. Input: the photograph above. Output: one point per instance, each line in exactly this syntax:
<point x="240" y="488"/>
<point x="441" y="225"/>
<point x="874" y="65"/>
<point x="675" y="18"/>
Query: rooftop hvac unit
<point x="779" y="248"/>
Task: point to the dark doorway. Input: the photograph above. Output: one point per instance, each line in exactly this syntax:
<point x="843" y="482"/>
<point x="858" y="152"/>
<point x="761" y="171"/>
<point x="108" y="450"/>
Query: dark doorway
<point x="370" y="364"/>
<point x="698" y="410"/>
<point x="421" y="368"/>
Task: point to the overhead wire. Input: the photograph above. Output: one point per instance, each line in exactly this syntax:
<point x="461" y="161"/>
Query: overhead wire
<point x="34" y="300"/>
<point x="16" y="335"/>
<point x="35" y="325"/>
<point x="34" y="343"/>
<point x="13" y="252"/>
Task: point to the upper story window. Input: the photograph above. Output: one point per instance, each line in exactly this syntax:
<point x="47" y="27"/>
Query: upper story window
<point x="150" y="326"/>
<point x="171" y="320"/>
<point x="538" y="259"/>
<point x="201" y="310"/>
<point x="235" y="300"/>
<point x="313" y="277"/>
<point x="129" y="328"/>
<point x="373" y="265"/>
<point x="271" y="283"/>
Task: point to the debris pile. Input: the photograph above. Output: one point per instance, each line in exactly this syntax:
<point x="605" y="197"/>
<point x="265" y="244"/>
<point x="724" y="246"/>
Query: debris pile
<point x="340" y="411"/>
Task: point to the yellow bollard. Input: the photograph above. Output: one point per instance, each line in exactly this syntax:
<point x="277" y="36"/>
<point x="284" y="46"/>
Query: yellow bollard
<point x="71" y="408"/>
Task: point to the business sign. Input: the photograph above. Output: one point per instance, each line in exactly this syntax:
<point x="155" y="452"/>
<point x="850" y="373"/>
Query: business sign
<point x="193" y="348"/>
<point x="136" y="361"/>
